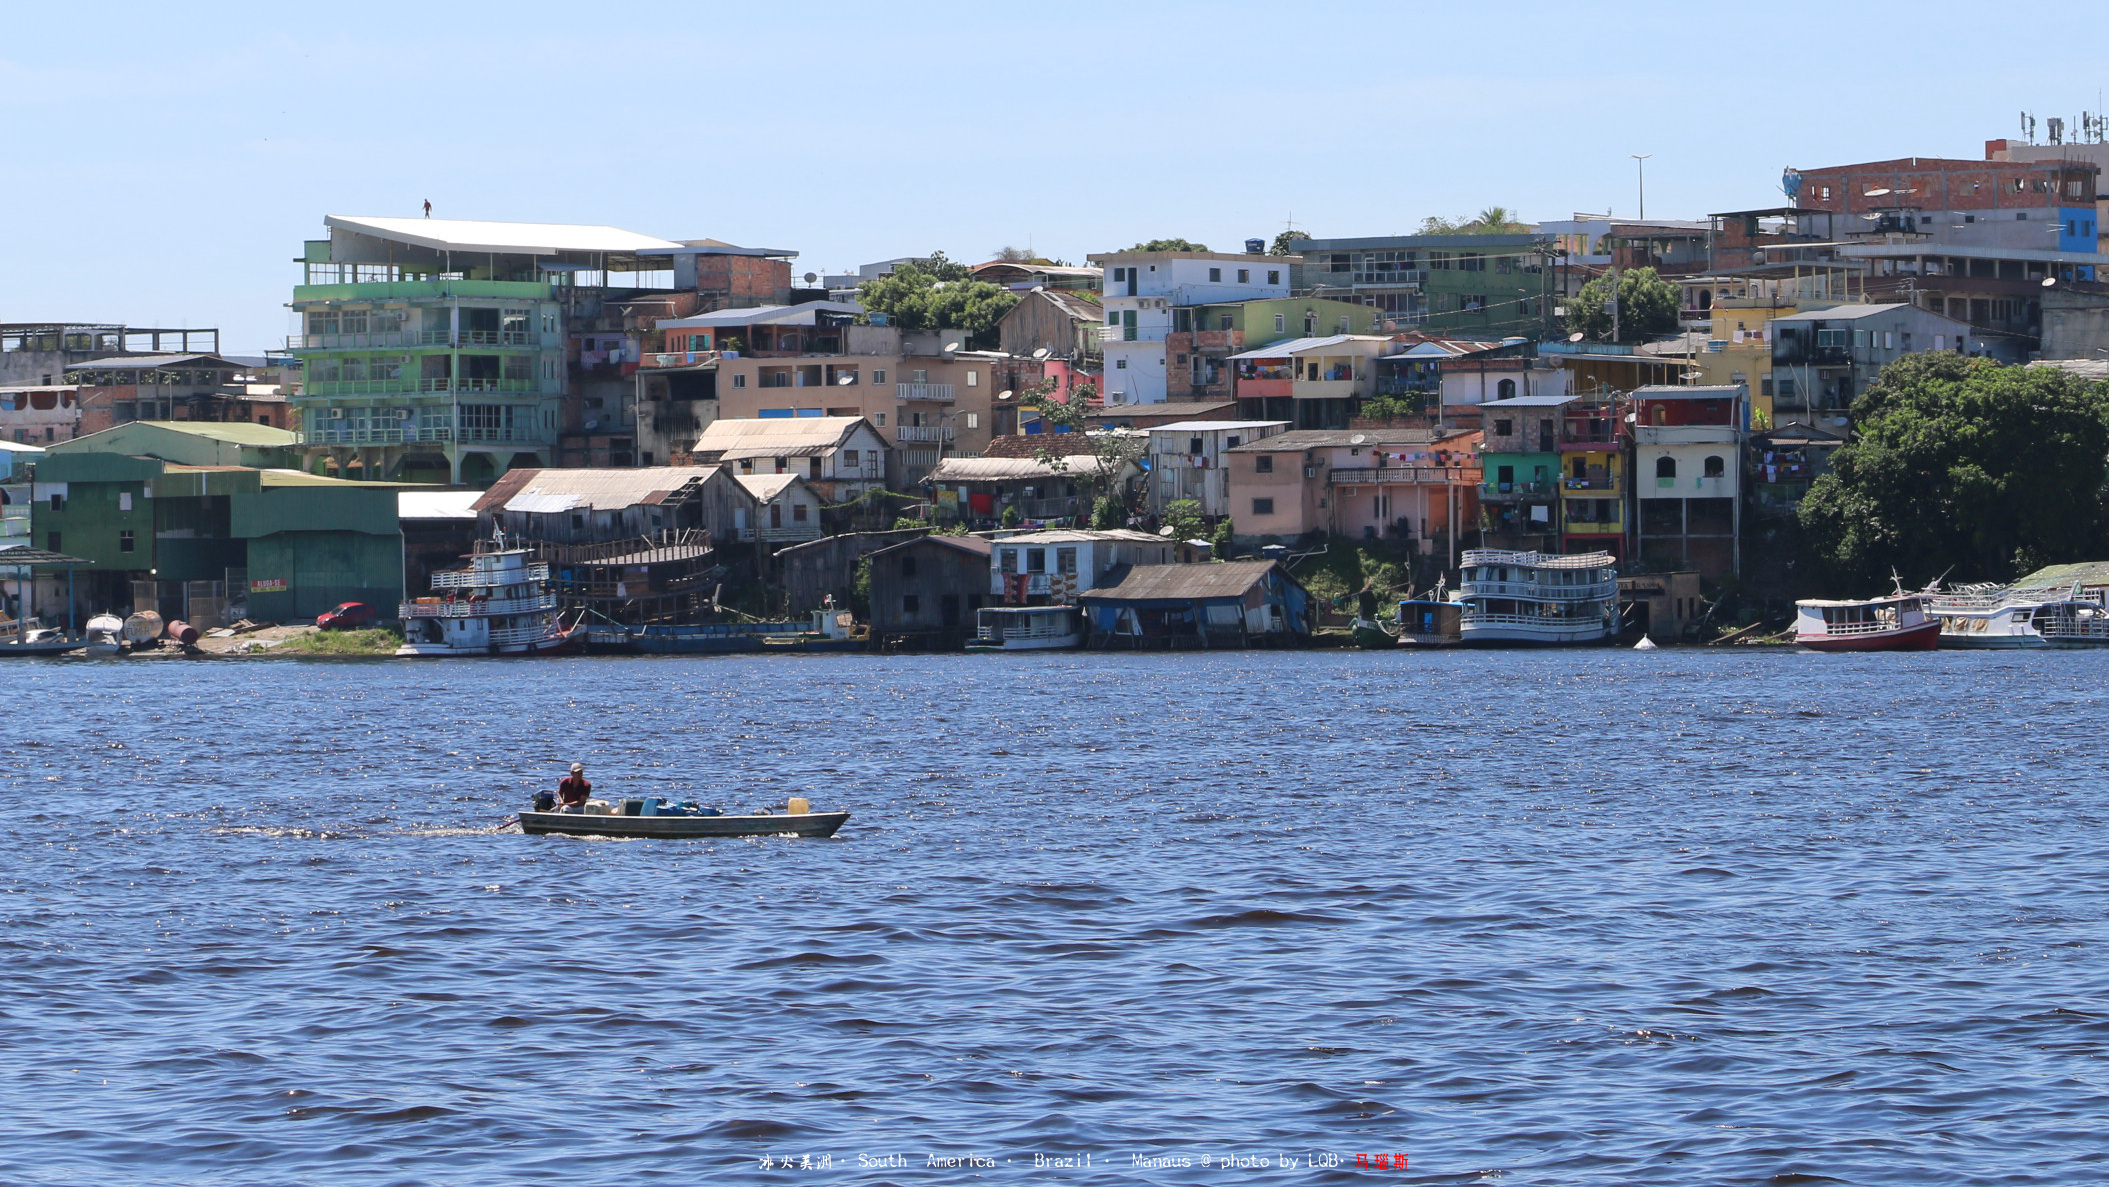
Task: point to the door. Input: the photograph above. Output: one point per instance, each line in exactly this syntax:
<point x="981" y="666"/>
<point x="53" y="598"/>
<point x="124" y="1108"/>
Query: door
<point x="776" y="515"/>
<point x="948" y="609"/>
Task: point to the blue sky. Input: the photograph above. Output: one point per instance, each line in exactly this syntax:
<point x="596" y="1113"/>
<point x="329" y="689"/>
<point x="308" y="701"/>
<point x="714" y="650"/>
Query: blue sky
<point x="166" y="162"/>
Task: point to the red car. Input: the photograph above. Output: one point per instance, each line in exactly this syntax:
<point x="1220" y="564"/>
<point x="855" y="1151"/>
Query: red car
<point x="348" y="616"/>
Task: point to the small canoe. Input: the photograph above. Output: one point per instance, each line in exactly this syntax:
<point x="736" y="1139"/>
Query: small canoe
<point x="805" y="824"/>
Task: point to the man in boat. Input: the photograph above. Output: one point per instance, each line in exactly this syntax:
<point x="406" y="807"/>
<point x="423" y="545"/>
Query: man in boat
<point x="574" y="791"/>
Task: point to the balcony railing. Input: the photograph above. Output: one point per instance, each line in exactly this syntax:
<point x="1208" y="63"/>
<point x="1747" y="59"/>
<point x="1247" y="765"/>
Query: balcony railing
<point x="1535" y="592"/>
<point x="1600" y="483"/>
<point x="924" y="391"/>
<point x="470" y="578"/>
<point x="391" y="387"/>
<point x="924" y="433"/>
<point x="466" y="608"/>
<point x="441" y="434"/>
<point x="1138" y="334"/>
<point x="408" y="338"/>
<point x="1428" y="475"/>
<point x="1513" y="490"/>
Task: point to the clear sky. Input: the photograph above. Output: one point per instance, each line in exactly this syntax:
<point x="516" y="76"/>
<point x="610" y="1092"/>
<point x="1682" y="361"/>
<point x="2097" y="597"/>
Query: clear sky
<point x="164" y="162"/>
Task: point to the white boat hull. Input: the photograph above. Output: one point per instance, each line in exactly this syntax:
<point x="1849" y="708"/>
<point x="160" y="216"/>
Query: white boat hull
<point x="1043" y="643"/>
<point x="1503" y="635"/>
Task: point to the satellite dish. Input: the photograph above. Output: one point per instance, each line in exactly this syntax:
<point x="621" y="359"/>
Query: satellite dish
<point x="812" y="276"/>
<point x="1042" y="354"/>
<point x="950" y="347"/>
<point x="1575" y="337"/>
<point x="845" y="381"/>
<point x="1005" y="394"/>
<point x="1874" y="193"/>
<point x="2049" y="281"/>
<point x="1358" y="439"/>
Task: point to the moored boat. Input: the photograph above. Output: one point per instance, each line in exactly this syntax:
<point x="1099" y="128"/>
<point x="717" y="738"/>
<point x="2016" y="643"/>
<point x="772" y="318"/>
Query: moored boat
<point x="1425" y="622"/>
<point x="500" y="604"/>
<point x="1536" y="599"/>
<point x="105" y="635"/>
<point x="1027" y="628"/>
<point x="1899" y="622"/>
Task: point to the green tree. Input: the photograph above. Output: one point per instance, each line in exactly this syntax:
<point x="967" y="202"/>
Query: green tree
<point x="1221" y="542"/>
<point x="1647" y="307"/>
<point x="1169" y="245"/>
<point x="1184" y="517"/>
<point x="936" y="294"/>
<point x="1494" y="220"/>
<point x="1010" y="517"/>
<point x="1963" y="467"/>
<point x="1379" y="407"/>
<point x="1066" y="434"/>
<point x="1108" y="513"/>
<point x="1287" y="243"/>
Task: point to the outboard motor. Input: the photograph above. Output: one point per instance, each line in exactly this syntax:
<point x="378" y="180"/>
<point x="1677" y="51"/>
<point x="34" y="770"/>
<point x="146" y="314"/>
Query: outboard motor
<point x="545" y="801"/>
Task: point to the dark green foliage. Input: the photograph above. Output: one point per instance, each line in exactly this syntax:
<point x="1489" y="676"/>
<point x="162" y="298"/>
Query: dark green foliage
<point x="1107" y="514"/>
<point x="1647" y="307"/>
<point x="1377" y="407"/>
<point x="1011" y="516"/>
<point x="1964" y="467"/>
<point x="1288" y="243"/>
<point x="1222" y="540"/>
<point x="1184" y="517"/>
<point x="1169" y="245"/>
<point x="937" y="294"/>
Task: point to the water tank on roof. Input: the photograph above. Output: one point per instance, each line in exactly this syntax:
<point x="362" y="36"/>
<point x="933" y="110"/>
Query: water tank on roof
<point x="1254" y="247"/>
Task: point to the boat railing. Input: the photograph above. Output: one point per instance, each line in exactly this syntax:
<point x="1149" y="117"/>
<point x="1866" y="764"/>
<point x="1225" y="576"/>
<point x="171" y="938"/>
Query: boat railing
<point x="1875" y="626"/>
<point x="1482" y="618"/>
<point x="491" y="575"/>
<point x="1533" y="591"/>
<point x="523" y="634"/>
<point x="1537" y="560"/>
<point x="997" y="632"/>
<point x="466" y="608"/>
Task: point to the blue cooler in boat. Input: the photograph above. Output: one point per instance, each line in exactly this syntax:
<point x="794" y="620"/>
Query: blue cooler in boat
<point x="649" y="806"/>
<point x="635" y="807"/>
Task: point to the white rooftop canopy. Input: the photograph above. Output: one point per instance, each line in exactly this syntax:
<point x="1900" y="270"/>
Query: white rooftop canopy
<point x="534" y="239"/>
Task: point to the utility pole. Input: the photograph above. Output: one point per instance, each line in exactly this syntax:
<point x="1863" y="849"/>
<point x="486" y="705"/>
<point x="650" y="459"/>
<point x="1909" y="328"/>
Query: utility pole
<point x="1640" y="162"/>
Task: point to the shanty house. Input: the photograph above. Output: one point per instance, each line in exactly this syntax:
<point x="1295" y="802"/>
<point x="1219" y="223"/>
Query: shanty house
<point x="924" y="592"/>
<point x="1226" y="604"/>
<point x="588" y="506"/>
<point x="978" y="489"/>
<point x="783" y="508"/>
<point x="840" y="457"/>
<point x="1052" y="568"/>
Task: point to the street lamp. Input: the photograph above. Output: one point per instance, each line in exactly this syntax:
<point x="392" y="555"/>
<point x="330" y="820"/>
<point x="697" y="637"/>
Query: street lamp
<point x="1640" y="163"/>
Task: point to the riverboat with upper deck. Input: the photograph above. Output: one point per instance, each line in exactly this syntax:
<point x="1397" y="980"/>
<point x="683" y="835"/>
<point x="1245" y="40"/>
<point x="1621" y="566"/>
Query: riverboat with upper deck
<point x="500" y="604"/>
<point x="1999" y="617"/>
<point x="1027" y="628"/>
<point x="1899" y="622"/>
<point x="1536" y="599"/>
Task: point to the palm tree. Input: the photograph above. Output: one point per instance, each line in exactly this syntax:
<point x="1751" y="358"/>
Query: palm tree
<point x="1495" y="220"/>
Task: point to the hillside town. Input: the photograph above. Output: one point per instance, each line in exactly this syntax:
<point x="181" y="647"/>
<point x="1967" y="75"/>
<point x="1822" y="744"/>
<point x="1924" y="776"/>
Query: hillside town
<point x="698" y="440"/>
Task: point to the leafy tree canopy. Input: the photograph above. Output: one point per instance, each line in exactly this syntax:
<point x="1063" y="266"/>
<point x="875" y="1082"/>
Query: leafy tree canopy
<point x="1494" y="220"/>
<point x="1021" y="255"/>
<point x="1066" y="434"/>
<point x="1288" y="243"/>
<point x="1964" y="467"/>
<point x="1169" y="245"/>
<point x="934" y="293"/>
<point x="1647" y="307"/>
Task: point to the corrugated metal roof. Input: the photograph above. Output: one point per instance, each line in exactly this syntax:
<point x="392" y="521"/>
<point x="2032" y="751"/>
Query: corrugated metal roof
<point x="1529" y="402"/>
<point x="1005" y="469"/>
<point x="234" y="432"/>
<point x="765" y="487"/>
<point x="782" y="436"/>
<point x="1328" y="438"/>
<point x="1303" y="345"/>
<point x="1192" y="409"/>
<point x="1842" y="313"/>
<point x="977" y="545"/>
<point x="436" y="504"/>
<point x="2088" y="573"/>
<point x="1209" y="426"/>
<point x="534" y="239"/>
<point x="147" y="362"/>
<point x="760" y="315"/>
<point x="547" y="491"/>
<point x="1198" y="582"/>
<point x="1078" y="535"/>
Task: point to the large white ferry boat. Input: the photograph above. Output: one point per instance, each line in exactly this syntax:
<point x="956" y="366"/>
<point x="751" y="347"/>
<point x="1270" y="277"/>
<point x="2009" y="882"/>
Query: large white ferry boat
<point x="1998" y="617"/>
<point x="501" y="604"/>
<point x="1537" y="599"/>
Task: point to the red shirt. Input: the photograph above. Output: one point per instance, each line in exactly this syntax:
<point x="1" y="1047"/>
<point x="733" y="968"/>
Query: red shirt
<point x="574" y="790"/>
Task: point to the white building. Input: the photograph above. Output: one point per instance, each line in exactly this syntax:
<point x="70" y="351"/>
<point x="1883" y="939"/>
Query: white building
<point x="1187" y="462"/>
<point x="1143" y="287"/>
<point x="1052" y="568"/>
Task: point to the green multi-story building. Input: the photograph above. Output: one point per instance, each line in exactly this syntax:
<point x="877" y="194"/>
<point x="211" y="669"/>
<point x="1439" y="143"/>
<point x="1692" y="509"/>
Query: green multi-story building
<point x="437" y="349"/>
<point x="1489" y="286"/>
<point x="1203" y="337"/>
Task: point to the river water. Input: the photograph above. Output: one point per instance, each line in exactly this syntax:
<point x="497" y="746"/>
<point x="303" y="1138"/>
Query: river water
<point x="1593" y="917"/>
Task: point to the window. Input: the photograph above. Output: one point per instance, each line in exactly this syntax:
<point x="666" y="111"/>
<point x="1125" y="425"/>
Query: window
<point x="58" y="501"/>
<point x="1263" y="506"/>
<point x="51" y="541"/>
<point x="849" y="459"/>
<point x="1665" y="467"/>
<point x="1281" y="323"/>
<point x="1036" y="560"/>
<point x="973" y="420"/>
<point x="1471" y="261"/>
<point x="739" y="380"/>
<point x="1007" y="560"/>
<point x="1274" y="276"/>
<point x="1215" y="274"/>
<point x="1716" y="466"/>
<point x="124" y="540"/>
<point x="1507" y="389"/>
<point x="911" y="604"/>
<point x="1504" y="428"/>
<point x="1831" y="337"/>
<point x="1263" y="464"/>
<point x="1439" y="260"/>
<point x="1339" y="262"/>
<point x="1473" y="303"/>
<point x="1193" y="445"/>
<point x="878" y="375"/>
<point x="973" y="379"/>
<point x="124" y="500"/>
<point x="1120" y="274"/>
<point x="746" y="465"/>
<point x="1120" y="364"/>
<point x="919" y="375"/>
<point x="1223" y="322"/>
<point x="1065" y="560"/>
<point x="1244" y="276"/>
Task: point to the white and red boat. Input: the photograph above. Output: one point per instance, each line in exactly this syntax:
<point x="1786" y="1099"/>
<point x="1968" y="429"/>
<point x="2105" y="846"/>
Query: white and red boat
<point x="500" y="604"/>
<point x="1899" y="622"/>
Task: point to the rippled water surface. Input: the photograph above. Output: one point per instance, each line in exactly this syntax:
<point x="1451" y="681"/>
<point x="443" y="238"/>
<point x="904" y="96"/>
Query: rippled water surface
<point x="1563" y="918"/>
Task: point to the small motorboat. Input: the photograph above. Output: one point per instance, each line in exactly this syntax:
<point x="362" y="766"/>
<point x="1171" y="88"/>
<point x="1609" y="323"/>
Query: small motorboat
<point x="105" y="635"/>
<point x="652" y="817"/>
<point x="1899" y="622"/>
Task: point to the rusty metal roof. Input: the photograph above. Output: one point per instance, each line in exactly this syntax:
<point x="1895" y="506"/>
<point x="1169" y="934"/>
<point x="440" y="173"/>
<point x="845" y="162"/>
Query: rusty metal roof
<point x="1209" y="581"/>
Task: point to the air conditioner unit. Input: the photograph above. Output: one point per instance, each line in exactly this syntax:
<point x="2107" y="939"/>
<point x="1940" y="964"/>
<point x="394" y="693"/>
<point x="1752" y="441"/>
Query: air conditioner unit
<point x="336" y="414"/>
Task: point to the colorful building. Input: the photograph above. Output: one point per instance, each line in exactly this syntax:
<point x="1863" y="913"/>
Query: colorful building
<point x="1687" y="467"/>
<point x="1484" y="285"/>
<point x="1313" y="383"/>
<point x="1520" y="467"/>
<point x="1142" y="288"/>
<point x="1418" y="484"/>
